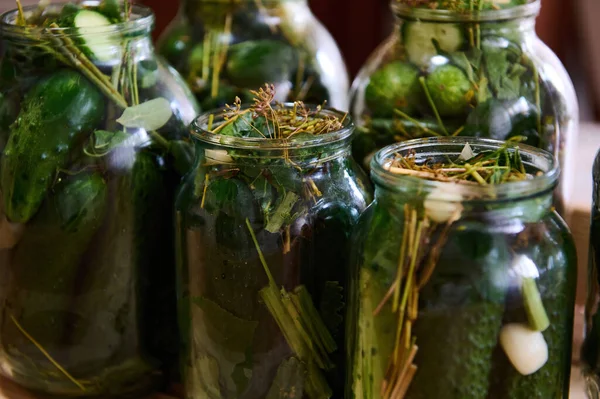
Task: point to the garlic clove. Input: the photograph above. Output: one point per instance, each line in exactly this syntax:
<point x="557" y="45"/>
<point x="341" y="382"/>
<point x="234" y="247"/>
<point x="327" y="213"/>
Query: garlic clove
<point x="443" y="203"/>
<point x="526" y="349"/>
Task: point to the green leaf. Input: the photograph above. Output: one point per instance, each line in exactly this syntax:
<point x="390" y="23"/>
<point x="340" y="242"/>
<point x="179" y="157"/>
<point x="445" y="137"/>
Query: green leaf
<point x="289" y="381"/>
<point x="151" y="115"/>
<point x="460" y="60"/>
<point x="332" y="306"/>
<point x="104" y="142"/>
<point x="245" y="126"/>
<point x="504" y="74"/>
<point x="204" y="377"/>
<point x="242" y="372"/>
<point x="226" y="330"/>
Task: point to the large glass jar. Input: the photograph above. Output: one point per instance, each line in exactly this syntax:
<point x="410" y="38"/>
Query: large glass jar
<point x="590" y="353"/>
<point x="444" y="279"/>
<point x="263" y="228"/>
<point x="92" y="141"/>
<point x="224" y="48"/>
<point x="481" y="73"/>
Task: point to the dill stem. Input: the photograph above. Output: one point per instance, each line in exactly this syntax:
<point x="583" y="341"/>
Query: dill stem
<point x="206" y="48"/>
<point x="206" y="180"/>
<point x="401" y="262"/>
<point x="260" y="255"/>
<point x="20" y="14"/>
<point x="86" y="67"/>
<point x="417" y="123"/>
<point x="432" y="105"/>
<point x="45" y="353"/>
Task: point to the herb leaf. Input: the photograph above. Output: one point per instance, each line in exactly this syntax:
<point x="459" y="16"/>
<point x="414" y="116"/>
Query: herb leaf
<point x="104" y="142"/>
<point x="151" y="115"/>
<point x="289" y="381"/>
<point x="226" y="329"/>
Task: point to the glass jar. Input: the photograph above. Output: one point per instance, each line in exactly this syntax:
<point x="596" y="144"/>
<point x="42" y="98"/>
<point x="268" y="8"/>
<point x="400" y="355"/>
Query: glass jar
<point x="92" y="140"/>
<point x="263" y="228"/>
<point x="226" y="48"/>
<point x="590" y="351"/>
<point x="478" y="255"/>
<point x="483" y="73"/>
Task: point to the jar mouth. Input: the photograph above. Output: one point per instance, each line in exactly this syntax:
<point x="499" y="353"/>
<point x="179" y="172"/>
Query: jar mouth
<point x="199" y="131"/>
<point x="142" y="22"/>
<point x="530" y="9"/>
<point x="539" y="164"/>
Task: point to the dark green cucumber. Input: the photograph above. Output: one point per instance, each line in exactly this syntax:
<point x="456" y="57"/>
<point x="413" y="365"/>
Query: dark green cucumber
<point x="460" y="317"/>
<point x="45" y="265"/>
<point x="111" y="9"/>
<point x="455" y="352"/>
<point x="55" y="115"/>
<point x="107" y="332"/>
<point x="253" y="63"/>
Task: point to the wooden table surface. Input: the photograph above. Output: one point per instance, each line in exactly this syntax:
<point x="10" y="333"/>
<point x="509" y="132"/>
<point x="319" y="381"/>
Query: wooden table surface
<point x="578" y="217"/>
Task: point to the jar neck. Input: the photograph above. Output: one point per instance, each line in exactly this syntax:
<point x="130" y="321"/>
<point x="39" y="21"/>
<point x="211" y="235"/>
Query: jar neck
<point x="527" y="199"/>
<point x="266" y="154"/>
<point x="506" y="23"/>
<point x="111" y="42"/>
<point x="529" y="209"/>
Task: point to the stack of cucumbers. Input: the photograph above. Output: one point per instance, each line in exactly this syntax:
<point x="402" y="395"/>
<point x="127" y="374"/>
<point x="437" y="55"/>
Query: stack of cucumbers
<point x="91" y="153"/>
<point x="449" y="72"/>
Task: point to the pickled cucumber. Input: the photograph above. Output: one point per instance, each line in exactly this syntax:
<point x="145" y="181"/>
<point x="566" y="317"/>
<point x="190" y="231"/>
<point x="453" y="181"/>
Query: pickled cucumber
<point x="45" y="266"/>
<point x="55" y="116"/>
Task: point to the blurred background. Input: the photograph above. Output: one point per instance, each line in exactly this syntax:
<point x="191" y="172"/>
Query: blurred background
<point x="567" y="26"/>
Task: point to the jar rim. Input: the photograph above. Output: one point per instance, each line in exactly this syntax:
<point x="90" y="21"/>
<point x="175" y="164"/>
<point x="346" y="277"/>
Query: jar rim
<point x="142" y="22"/>
<point x="530" y="9"/>
<point x="540" y="160"/>
<point x="199" y="131"/>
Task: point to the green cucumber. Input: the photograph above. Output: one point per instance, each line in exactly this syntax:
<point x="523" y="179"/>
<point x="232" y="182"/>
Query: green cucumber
<point x="175" y="43"/>
<point x="107" y="329"/>
<point x="420" y="39"/>
<point x="111" y="9"/>
<point x="449" y="87"/>
<point x="253" y="63"/>
<point x="395" y="86"/>
<point x="55" y="116"/>
<point x="44" y="268"/>
<point x="101" y="47"/>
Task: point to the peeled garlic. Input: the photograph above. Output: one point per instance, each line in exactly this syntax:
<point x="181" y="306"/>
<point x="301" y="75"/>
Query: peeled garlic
<point x="444" y="203"/>
<point x="526" y="349"/>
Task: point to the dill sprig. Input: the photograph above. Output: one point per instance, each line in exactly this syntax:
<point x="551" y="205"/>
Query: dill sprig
<point x="273" y="120"/>
<point x="487" y="168"/>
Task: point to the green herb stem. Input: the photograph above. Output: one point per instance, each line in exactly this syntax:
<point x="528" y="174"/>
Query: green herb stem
<point x="47" y="355"/>
<point x="417" y="123"/>
<point x="536" y="313"/>
<point x="282" y="213"/>
<point x="432" y="104"/>
<point x="86" y="67"/>
<point x="304" y="301"/>
<point x="260" y="255"/>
